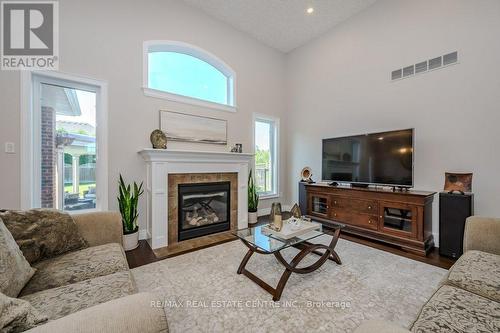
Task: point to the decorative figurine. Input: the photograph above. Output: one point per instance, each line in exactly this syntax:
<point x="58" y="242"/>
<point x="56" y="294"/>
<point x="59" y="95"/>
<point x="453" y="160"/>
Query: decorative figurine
<point x="158" y="139"/>
<point x="460" y="182"/>
<point x="296" y="212"/>
<point x="275" y="210"/>
<point x="278" y="222"/>
<point x="306" y="175"/>
<point x="237" y="148"/>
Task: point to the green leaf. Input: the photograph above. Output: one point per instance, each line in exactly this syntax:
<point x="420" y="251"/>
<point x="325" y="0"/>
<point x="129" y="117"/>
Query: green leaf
<point x="128" y="200"/>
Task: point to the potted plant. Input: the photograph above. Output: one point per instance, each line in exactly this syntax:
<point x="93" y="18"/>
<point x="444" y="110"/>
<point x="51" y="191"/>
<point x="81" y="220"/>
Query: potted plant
<point x="128" y="200"/>
<point x="253" y="200"/>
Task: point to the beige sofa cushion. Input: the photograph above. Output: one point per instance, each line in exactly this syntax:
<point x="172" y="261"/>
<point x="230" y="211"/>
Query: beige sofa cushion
<point x="77" y="266"/>
<point x="43" y="233"/>
<point x="15" y="271"/>
<point x="61" y="301"/>
<point x="17" y="315"/>
<point x="477" y="272"/>
<point x="131" y="314"/>
<point x="456" y="310"/>
<point x="482" y="233"/>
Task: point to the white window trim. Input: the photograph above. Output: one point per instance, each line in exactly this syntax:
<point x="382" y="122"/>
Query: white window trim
<point x="30" y="189"/>
<point x="276" y="175"/>
<point x="197" y="52"/>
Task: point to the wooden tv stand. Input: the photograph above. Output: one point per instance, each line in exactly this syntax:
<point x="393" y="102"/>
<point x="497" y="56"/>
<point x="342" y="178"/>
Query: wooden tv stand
<point x="402" y="218"/>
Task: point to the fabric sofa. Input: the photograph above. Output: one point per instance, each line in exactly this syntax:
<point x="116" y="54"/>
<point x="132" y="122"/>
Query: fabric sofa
<point x="468" y="298"/>
<point x="92" y="289"/>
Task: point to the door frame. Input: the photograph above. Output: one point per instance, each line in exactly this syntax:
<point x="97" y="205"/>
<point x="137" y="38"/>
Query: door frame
<point x="30" y="171"/>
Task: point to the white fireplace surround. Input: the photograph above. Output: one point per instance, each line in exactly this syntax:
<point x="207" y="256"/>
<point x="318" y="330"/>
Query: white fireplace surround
<point x="162" y="162"/>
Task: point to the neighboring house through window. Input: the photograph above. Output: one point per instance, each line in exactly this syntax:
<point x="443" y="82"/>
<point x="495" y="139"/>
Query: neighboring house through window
<point x="185" y="73"/>
<point x="266" y="131"/>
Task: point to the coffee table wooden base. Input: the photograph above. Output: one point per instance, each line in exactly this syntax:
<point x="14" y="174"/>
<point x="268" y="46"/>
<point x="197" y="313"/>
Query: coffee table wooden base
<point x="306" y="248"/>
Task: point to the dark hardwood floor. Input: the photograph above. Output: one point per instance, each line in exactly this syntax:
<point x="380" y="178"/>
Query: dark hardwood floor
<point x="433" y="258"/>
<point x="144" y="254"/>
<point x="140" y="256"/>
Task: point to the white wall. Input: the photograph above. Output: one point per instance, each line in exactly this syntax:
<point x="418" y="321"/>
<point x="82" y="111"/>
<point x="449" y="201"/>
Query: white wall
<point x="340" y="84"/>
<point x="103" y="40"/>
<point x="337" y="85"/>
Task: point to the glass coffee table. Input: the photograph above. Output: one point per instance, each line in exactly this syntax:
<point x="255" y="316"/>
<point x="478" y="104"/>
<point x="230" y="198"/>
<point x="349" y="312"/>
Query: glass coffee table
<point x="266" y="243"/>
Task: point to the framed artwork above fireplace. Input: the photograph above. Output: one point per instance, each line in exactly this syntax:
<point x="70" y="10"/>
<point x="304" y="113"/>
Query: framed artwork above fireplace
<point x="192" y="128"/>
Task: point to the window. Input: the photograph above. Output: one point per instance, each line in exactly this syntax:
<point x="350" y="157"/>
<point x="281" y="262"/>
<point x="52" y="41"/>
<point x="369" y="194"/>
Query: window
<point x="187" y="74"/>
<point x="66" y="161"/>
<point x="266" y="155"/>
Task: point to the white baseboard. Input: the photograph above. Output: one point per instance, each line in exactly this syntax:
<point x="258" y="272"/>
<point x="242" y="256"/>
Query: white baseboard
<point x="436" y="239"/>
<point x="143" y="234"/>
<point x="266" y="211"/>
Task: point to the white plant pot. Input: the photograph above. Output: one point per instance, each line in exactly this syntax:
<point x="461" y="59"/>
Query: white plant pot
<point x="252" y="217"/>
<point x="131" y="241"/>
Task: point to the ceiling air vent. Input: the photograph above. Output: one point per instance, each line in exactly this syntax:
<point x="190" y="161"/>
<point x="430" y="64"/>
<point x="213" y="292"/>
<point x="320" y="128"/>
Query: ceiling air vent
<point x="424" y="66"/>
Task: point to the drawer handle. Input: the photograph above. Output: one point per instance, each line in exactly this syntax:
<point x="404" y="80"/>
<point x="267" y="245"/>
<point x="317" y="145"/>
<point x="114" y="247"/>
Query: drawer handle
<point x="369" y="207"/>
<point x="370" y="221"/>
<point x="334" y="202"/>
<point x="335" y="214"/>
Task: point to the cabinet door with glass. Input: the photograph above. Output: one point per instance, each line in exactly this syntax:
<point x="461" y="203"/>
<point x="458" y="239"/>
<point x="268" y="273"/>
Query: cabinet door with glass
<point x="318" y="204"/>
<point x="398" y="219"/>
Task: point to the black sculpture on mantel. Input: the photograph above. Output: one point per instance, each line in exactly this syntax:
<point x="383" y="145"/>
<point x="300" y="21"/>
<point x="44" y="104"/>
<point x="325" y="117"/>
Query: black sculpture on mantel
<point x="303" y="197"/>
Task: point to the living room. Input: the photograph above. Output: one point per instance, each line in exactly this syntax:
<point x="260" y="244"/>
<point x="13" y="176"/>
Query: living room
<point x="232" y="118"/>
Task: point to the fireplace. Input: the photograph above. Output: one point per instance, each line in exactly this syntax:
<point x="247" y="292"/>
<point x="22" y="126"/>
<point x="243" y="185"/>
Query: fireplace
<point x="203" y="209"/>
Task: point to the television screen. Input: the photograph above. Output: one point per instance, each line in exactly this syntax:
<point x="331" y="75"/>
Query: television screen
<point x="384" y="158"/>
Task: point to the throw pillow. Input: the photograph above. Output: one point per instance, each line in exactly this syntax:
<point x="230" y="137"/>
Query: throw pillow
<point x="15" y="271"/>
<point x="43" y="233"/>
<point x="17" y="315"/>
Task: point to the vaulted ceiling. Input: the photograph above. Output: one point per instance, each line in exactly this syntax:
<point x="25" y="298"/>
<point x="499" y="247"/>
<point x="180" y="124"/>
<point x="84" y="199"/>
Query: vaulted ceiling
<point x="282" y="24"/>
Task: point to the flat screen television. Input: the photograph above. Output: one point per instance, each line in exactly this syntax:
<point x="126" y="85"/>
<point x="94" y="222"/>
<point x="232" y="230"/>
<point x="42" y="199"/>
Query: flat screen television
<point x="384" y="158"/>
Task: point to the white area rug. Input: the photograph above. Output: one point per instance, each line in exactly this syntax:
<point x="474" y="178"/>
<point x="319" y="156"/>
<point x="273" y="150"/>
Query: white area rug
<point x="203" y="293"/>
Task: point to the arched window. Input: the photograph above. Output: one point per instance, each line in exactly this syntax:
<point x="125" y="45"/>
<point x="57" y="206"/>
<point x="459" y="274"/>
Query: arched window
<point x="185" y="73"/>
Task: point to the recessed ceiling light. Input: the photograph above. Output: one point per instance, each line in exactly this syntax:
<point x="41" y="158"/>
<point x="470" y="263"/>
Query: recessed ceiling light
<point x="310" y="10"/>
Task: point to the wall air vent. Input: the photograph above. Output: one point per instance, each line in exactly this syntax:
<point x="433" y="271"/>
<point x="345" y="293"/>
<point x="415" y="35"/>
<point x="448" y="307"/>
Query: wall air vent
<point x="407" y="71"/>
<point x="421" y="67"/>
<point x="425" y="66"/>
<point x="397" y="74"/>
<point x="450" y="58"/>
<point x="435" y="63"/>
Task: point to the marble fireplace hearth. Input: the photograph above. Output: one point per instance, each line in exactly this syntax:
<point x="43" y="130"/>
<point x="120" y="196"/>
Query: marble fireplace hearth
<point x="166" y="170"/>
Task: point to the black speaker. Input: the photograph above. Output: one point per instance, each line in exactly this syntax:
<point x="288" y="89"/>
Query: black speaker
<point x="303" y="198"/>
<point x="454" y="209"/>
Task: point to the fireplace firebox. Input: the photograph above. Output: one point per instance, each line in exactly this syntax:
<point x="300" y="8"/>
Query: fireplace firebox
<point x="204" y="209"/>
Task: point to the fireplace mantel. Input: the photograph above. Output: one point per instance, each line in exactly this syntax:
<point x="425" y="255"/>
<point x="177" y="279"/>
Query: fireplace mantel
<point x="162" y="162"/>
<point x="172" y="155"/>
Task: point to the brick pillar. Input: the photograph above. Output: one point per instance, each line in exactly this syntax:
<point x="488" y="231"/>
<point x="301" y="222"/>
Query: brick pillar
<point x="48" y="157"/>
